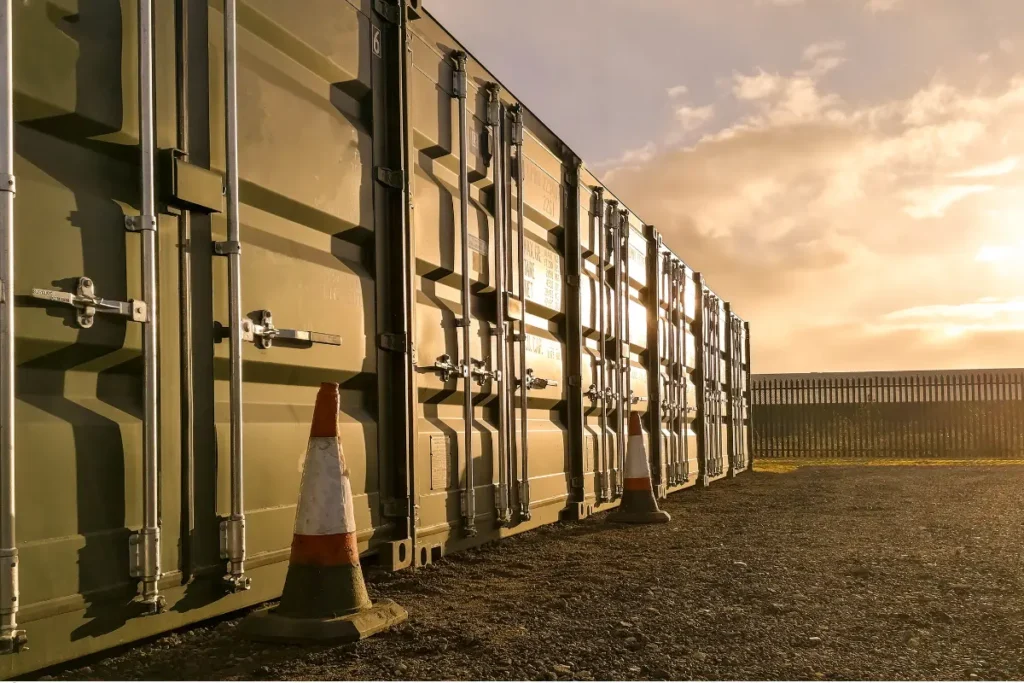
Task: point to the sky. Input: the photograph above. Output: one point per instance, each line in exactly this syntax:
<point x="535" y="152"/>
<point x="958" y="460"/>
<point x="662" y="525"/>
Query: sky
<point x="849" y="173"/>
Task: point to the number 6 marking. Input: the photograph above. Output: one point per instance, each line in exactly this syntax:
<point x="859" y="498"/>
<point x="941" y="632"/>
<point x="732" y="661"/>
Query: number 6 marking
<point x="376" y="41"/>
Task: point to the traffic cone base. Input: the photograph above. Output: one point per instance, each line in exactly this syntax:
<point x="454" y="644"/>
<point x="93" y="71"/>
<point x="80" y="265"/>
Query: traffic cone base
<point x="638" y="505"/>
<point x="268" y="625"/>
<point x="324" y="598"/>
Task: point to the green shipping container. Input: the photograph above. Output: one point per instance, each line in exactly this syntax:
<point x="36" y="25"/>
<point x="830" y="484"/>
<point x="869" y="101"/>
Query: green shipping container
<point x="332" y="193"/>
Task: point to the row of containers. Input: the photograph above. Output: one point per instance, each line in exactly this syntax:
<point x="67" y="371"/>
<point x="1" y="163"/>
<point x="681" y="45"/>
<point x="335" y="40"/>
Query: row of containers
<point x="338" y="194"/>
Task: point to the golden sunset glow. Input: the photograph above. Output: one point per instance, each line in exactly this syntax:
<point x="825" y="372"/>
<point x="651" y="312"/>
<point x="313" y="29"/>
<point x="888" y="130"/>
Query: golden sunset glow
<point x="850" y="174"/>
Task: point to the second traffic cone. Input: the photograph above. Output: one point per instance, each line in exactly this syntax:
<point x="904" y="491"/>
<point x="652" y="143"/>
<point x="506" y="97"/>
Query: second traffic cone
<point x="324" y="598"/>
<point x="638" y="504"/>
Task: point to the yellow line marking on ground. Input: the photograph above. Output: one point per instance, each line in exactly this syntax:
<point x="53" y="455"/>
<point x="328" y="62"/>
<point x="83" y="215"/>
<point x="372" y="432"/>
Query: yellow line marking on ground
<point x="784" y="466"/>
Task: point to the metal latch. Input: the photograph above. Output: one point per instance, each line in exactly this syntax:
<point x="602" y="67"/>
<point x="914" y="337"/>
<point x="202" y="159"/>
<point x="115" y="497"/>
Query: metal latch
<point x="88" y="304"/>
<point x="460" y="81"/>
<point x="482" y="374"/>
<point x="534" y="382"/>
<point x="444" y="367"/>
<point x="593" y="393"/>
<point x="633" y="400"/>
<point x="263" y="333"/>
<point x="517" y="127"/>
<point x="493" y="104"/>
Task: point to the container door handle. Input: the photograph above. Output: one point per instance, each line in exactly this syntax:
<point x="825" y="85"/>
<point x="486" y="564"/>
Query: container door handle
<point x="88" y="305"/>
<point x="263" y="333"/>
<point x="534" y="382"/>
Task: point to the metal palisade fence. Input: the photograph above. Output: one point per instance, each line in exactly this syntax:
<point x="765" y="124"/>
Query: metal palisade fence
<point x="973" y="414"/>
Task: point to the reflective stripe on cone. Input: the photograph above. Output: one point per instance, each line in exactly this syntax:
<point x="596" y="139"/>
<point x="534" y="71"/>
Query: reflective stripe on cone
<point x="324" y="597"/>
<point x="638" y="504"/>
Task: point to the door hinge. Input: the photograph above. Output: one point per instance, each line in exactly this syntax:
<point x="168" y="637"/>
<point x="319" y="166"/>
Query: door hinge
<point x="391" y="178"/>
<point x="393" y="341"/>
<point x="572" y="280"/>
<point x="392" y="13"/>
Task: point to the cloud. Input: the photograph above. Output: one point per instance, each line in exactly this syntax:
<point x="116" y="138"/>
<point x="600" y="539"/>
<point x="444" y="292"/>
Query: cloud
<point x="631" y="158"/>
<point x="691" y="118"/>
<point x="817" y="50"/>
<point x="879" y="6"/>
<point x="999" y="168"/>
<point x="677" y="91"/>
<point x="757" y="86"/>
<point x="933" y="202"/>
<point x="852" y="235"/>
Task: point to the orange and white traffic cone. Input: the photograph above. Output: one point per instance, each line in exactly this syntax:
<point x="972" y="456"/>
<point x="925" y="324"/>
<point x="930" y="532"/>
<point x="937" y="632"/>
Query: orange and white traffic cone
<point x="324" y="598"/>
<point x="638" y="504"/>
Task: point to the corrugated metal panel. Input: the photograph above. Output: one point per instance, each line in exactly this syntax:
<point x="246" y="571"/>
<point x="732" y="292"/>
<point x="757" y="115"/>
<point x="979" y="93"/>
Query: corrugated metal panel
<point x="328" y="244"/>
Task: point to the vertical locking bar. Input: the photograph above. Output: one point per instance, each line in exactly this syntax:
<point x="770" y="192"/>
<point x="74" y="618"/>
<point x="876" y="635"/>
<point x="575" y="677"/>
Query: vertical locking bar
<point x="233" y="528"/>
<point x="655" y="350"/>
<point x="673" y="368"/>
<point x="12" y="639"/>
<point x="574" y="324"/>
<point x="495" y="117"/>
<point x="701" y="375"/>
<point x="460" y="88"/>
<point x="188" y="409"/>
<point x="627" y="361"/>
<point x="518" y="131"/>
<point x="748" y="408"/>
<point x="147" y="542"/>
<point x="730" y="359"/>
<point x="720" y="384"/>
<point x="603" y="484"/>
<point x="615" y="233"/>
<point x="682" y="401"/>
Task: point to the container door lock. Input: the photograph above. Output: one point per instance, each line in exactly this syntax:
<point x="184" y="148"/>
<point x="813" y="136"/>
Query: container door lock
<point x="593" y="393"/>
<point x="534" y="382"/>
<point x="482" y="373"/>
<point x="263" y="333"/>
<point x="445" y="368"/>
<point x="88" y="305"/>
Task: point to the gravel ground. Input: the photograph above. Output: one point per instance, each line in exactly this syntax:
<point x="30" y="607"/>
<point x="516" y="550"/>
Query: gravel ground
<point x="818" y="573"/>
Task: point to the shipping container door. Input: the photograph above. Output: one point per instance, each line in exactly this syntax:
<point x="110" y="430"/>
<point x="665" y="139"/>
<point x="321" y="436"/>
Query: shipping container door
<point x="737" y="392"/>
<point x="637" y="393"/>
<point x="543" y="460"/>
<point x="679" y="447"/>
<point x="306" y="158"/>
<point x="692" y="382"/>
<point x="712" y="408"/>
<point x="79" y="378"/>
<point x="441" y="463"/>
<point x="668" y="333"/>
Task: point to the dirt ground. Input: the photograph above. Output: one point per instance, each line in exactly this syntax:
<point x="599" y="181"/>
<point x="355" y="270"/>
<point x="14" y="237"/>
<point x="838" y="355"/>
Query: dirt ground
<point x="861" y="572"/>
